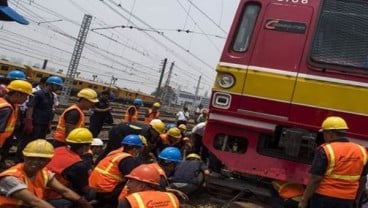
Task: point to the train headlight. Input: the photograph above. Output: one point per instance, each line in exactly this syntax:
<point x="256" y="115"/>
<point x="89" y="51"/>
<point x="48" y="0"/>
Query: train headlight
<point x="226" y="80"/>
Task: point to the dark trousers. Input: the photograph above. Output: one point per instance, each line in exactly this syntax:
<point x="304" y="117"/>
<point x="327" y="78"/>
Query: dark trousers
<point x="199" y="148"/>
<point x="95" y="125"/>
<point x="321" y="201"/>
<point x="40" y="131"/>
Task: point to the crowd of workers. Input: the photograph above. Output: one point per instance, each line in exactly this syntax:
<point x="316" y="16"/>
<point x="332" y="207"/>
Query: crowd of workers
<point x="142" y="165"/>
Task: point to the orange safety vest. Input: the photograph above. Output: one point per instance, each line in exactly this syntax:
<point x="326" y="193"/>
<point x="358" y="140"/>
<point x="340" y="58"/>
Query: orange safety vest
<point x="162" y="173"/>
<point x="153" y="199"/>
<point x="106" y="175"/>
<point x="134" y="117"/>
<point x="60" y="129"/>
<point x="63" y="159"/>
<point x="289" y="190"/>
<point x="12" y="120"/>
<point x="36" y="186"/>
<point x="151" y="116"/>
<point x="346" y="161"/>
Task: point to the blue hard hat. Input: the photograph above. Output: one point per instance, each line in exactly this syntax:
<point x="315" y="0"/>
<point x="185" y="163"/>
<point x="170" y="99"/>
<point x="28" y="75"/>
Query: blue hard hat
<point x="56" y="80"/>
<point x="133" y="140"/>
<point x="138" y="101"/>
<point x="171" y="154"/>
<point x="17" y="74"/>
<point x="9" y="14"/>
<point x="169" y="126"/>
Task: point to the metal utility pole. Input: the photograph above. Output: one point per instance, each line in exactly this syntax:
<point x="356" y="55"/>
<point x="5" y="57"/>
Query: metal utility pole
<point x="196" y="91"/>
<point x="74" y="61"/>
<point x="161" y="76"/>
<point x="167" y="85"/>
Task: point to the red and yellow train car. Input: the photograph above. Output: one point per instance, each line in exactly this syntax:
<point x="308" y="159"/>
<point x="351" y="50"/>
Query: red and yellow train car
<point x="285" y="67"/>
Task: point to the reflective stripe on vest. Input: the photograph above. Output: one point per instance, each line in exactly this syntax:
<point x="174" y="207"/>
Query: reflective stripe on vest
<point x="60" y="129"/>
<point x="106" y="175"/>
<point x="10" y="125"/>
<point x="107" y="170"/>
<point x="153" y="199"/>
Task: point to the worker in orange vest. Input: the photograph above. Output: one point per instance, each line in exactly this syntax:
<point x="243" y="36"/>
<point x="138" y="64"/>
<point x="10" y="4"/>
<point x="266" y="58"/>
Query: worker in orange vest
<point x="131" y="114"/>
<point x="70" y="168"/>
<point x="338" y="171"/>
<point x="24" y="184"/>
<point x="18" y="93"/>
<point x="73" y="117"/>
<point x="143" y="190"/>
<point x="108" y="176"/>
<point x="152" y="113"/>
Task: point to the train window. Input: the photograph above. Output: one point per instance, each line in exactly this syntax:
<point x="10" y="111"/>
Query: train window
<point x="229" y="143"/>
<point x="289" y="143"/>
<point x="89" y="86"/>
<point x="75" y="82"/>
<point x="80" y="83"/>
<point x="341" y="36"/>
<point x="95" y="86"/>
<point x="4" y="68"/>
<point x="246" y="26"/>
<point x="39" y="75"/>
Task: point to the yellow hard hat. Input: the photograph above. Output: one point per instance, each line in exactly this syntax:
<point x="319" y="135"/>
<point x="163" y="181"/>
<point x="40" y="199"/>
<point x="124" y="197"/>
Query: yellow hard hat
<point x="158" y="125"/>
<point x="88" y="94"/>
<point x="20" y="86"/>
<point x="193" y="156"/>
<point x="157" y="105"/>
<point x="334" y="123"/>
<point x="39" y="148"/>
<point x="174" y="132"/>
<point x="182" y="127"/>
<point x="79" y="136"/>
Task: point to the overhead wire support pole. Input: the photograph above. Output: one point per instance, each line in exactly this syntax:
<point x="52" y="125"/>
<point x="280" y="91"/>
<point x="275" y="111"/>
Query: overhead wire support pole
<point x="74" y="61"/>
<point x="196" y="91"/>
<point x="161" y="76"/>
<point x="167" y="86"/>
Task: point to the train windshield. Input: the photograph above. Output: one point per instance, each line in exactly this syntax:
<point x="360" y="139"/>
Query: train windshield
<point x="246" y="26"/>
<point x="341" y="37"/>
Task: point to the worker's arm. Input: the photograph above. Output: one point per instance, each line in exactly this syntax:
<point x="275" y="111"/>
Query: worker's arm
<point x="29" y="198"/>
<point x="313" y="184"/>
<point x="68" y="193"/>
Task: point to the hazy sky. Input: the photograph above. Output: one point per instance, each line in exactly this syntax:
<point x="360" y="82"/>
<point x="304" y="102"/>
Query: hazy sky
<point x="127" y="39"/>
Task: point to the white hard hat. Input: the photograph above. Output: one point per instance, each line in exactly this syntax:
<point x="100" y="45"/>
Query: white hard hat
<point x="97" y="142"/>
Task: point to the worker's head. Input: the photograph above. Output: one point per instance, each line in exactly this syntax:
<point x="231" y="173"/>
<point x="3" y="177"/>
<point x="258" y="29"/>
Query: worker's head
<point x="156" y="106"/>
<point x="157" y="127"/>
<point x="332" y="127"/>
<point x="8" y="14"/>
<point x="16" y="75"/>
<point x="138" y="102"/>
<point x="182" y="127"/>
<point x="88" y="98"/>
<point x="36" y="155"/>
<point x="143" y="177"/>
<point x="18" y="91"/>
<point x="168" y="158"/>
<point x="169" y="126"/>
<point x="97" y="146"/>
<point x="132" y="144"/>
<point x="79" y="140"/>
<point x="193" y="156"/>
<point x="174" y="135"/>
<point x="54" y="82"/>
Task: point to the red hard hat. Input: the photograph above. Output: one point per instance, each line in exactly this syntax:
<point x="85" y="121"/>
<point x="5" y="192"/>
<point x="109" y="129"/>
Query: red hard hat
<point x="145" y="173"/>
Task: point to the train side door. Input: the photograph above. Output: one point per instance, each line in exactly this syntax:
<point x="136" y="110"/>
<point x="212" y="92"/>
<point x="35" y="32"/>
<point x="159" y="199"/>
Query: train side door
<point x="275" y="62"/>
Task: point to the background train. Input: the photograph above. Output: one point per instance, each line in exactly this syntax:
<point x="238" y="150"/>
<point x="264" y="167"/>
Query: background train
<point x="34" y="75"/>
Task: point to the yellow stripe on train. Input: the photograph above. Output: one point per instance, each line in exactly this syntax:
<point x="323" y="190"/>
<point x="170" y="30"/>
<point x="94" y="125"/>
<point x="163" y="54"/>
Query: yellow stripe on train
<point x="311" y="92"/>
